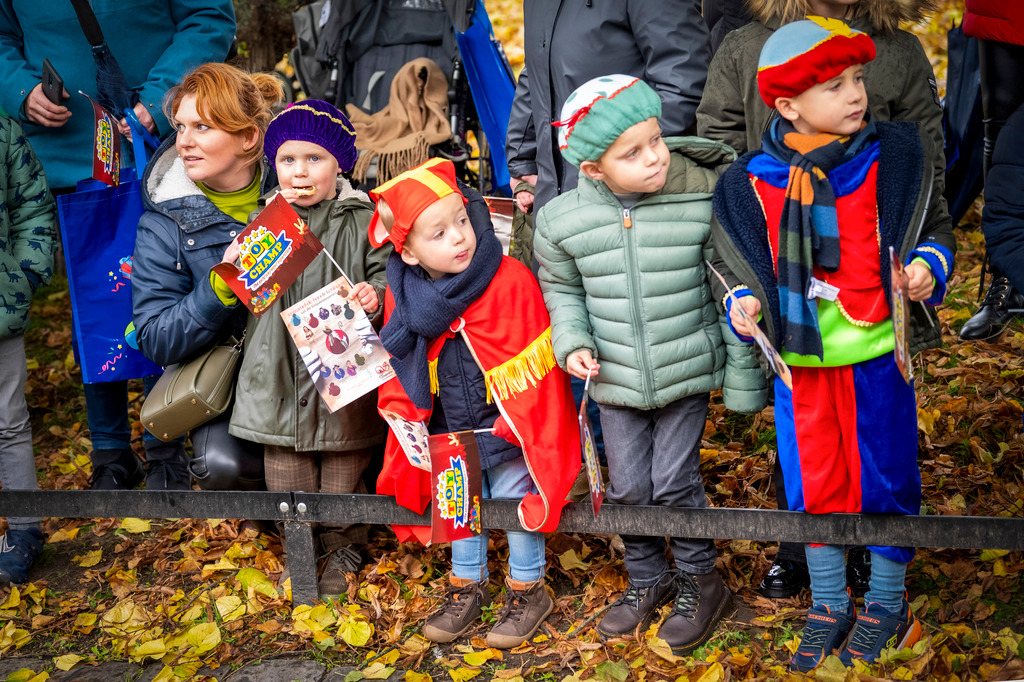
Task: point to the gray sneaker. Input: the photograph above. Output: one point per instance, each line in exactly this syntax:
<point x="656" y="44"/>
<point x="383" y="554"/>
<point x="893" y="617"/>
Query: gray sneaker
<point x="460" y="612"/>
<point x="637" y="607"/>
<point x="700" y="603"/>
<point x="526" y="607"/>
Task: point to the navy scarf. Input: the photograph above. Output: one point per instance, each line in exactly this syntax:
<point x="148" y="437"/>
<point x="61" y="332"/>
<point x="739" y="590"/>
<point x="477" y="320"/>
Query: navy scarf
<point x="425" y="308"/>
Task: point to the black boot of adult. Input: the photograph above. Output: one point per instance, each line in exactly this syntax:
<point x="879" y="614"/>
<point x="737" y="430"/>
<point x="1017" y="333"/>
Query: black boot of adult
<point x="1001" y="304"/>
<point x="788" y="574"/>
<point x="117" y="469"/>
<point x="166" y="467"/>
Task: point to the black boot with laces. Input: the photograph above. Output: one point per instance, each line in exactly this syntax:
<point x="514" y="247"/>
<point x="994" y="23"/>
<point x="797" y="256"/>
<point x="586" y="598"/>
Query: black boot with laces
<point x="701" y="601"/>
<point x="637" y="607"/>
<point x="1002" y="303"/>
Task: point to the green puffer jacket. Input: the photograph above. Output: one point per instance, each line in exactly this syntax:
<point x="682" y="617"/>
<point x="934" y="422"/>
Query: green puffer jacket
<point x="639" y="298"/>
<point x="27" y="236"/>
<point x="276" y="402"/>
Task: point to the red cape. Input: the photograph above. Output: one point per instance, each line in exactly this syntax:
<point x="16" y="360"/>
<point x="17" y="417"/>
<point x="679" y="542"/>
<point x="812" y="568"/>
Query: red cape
<point x="509" y="333"/>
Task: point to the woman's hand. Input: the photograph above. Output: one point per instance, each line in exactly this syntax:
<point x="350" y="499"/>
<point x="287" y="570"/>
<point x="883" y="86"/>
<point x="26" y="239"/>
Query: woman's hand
<point x="231" y="253"/>
<point x="42" y="111"/>
<point x="752" y="307"/>
<point x="366" y="296"/>
<point x="581" y="364"/>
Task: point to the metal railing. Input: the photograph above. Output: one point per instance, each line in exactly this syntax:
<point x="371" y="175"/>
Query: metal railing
<point x="299" y="510"/>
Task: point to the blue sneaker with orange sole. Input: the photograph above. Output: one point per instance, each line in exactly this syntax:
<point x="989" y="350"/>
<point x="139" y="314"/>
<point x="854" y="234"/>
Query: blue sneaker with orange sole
<point x="826" y="631"/>
<point x="877" y="629"/>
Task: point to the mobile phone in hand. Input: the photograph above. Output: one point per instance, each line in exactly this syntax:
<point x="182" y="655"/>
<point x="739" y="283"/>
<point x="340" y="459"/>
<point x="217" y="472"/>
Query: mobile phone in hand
<point x="53" y="84"/>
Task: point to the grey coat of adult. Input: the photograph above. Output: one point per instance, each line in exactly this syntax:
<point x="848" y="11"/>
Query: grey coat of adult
<point x="568" y="42"/>
<point x="635" y="293"/>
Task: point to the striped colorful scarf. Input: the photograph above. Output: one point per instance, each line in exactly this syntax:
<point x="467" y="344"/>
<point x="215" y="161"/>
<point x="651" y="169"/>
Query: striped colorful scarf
<point x="808" y="230"/>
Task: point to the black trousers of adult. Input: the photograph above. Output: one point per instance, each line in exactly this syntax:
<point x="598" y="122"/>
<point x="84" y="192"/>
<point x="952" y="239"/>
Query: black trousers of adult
<point x="1002" y="90"/>
<point x="1002" y="87"/>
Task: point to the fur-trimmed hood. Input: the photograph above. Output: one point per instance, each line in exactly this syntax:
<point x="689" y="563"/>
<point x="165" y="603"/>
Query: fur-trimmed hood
<point x="879" y="15"/>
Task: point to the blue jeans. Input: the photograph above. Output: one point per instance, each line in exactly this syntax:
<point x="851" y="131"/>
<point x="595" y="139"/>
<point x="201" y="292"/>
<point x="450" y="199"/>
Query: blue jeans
<point x="106" y="406"/>
<point x="510" y="480"/>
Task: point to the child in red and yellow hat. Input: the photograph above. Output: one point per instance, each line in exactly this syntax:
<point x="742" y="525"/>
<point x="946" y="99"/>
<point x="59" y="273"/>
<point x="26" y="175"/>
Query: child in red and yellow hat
<point x="803" y="234"/>
<point x="470" y="341"/>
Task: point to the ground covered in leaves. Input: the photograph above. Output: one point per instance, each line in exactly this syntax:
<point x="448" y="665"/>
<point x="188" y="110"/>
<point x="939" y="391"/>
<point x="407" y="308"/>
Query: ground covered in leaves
<point x="194" y="593"/>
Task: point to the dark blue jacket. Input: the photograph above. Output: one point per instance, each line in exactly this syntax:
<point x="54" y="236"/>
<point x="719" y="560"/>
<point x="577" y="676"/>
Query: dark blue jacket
<point x="181" y="236"/>
<point x="461" y="404"/>
<point x="1003" y="216"/>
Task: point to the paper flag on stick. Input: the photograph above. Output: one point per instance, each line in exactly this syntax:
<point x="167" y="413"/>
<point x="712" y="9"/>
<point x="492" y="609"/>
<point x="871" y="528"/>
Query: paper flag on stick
<point x="456" y="488"/>
<point x="774" y="359"/>
<point x="273" y="251"/>
<point x="106" y="148"/>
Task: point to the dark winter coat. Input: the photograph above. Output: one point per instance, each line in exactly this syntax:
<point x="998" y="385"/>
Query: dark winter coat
<point x="1003" y="216"/>
<point x="908" y="214"/>
<point x="1001" y="20"/>
<point x="568" y="42"/>
<point x="277" y="402"/>
<point x="27" y="237"/>
<point x="181" y="236"/>
<point x="900" y="82"/>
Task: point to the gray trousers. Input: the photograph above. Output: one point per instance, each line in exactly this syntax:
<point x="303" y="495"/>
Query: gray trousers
<point x="17" y="461"/>
<point x="654" y="459"/>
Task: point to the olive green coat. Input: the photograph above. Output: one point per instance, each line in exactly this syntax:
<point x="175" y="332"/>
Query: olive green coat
<point x="276" y="402"/>
<point x="900" y="82"/>
<point x="638" y="298"/>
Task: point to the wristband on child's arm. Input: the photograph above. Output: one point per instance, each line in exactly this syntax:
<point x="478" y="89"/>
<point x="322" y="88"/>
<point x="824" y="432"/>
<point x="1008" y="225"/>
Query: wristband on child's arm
<point x="940" y="262"/>
<point x="737" y="294"/>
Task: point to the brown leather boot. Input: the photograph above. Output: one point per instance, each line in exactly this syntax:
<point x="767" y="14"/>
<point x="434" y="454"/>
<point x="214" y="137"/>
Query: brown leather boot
<point x="701" y="601"/>
<point x="637" y="607"/>
<point x="526" y="607"/>
<point x="460" y="611"/>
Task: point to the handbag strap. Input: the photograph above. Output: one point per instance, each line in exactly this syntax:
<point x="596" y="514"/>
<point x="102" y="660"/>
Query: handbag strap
<point x="87" y="19"/>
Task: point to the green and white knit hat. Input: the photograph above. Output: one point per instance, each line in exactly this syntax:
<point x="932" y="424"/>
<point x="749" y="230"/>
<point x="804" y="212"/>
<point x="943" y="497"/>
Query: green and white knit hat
<point x="600" y="110"/>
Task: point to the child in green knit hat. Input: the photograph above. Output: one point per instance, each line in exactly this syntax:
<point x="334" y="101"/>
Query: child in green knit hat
<point x="622" y="268"/>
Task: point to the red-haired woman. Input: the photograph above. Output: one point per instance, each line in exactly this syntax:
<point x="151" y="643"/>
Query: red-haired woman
<point x="198" y="191"/>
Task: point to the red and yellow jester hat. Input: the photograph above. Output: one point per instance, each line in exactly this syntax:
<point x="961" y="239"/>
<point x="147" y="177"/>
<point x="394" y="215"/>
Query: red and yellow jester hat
<point x="408" y="195"/>
<point x="804" y="53"/>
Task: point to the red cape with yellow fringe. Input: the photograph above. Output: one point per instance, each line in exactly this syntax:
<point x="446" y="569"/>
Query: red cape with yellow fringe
<point x="508" y="331"/>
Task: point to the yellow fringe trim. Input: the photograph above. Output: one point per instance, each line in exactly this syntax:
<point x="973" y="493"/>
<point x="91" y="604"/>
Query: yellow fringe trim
<point x="435" y="386"/>
<point x="523" y="371"/>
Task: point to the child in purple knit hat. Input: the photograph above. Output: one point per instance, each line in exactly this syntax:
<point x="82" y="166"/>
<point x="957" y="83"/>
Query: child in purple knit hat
<point x="307" y="448"/>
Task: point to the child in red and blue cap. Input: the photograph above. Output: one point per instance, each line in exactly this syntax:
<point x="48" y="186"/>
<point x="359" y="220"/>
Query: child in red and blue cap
<point x="802" y="233"/>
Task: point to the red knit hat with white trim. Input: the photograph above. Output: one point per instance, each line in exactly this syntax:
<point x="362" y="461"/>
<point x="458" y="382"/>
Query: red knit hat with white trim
<point x="802" y="54"/>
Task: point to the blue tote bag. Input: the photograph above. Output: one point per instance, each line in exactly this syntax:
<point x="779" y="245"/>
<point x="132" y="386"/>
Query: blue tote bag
<point x="98" y="226"/>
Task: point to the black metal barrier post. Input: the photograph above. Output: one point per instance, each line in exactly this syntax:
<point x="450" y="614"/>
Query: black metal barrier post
<point x="299" y="510"/>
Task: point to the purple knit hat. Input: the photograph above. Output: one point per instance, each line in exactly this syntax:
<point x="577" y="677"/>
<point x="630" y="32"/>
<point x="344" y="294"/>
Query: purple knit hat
<point x="316" y="121"/>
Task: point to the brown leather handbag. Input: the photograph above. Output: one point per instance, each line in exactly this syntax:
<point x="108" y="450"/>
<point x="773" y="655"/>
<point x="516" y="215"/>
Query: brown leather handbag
<point x="192" y="393"/>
